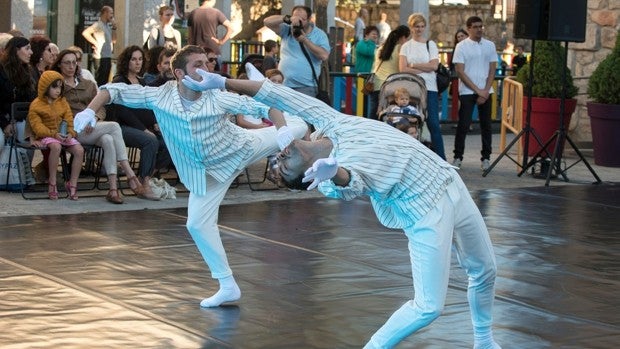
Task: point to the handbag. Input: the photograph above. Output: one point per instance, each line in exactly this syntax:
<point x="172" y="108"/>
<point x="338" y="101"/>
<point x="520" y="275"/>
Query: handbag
<point x="11" y="177"/>
<point x="442" y="75"/>
<point x="321" y="94"/>
<point x="369" y="83"/>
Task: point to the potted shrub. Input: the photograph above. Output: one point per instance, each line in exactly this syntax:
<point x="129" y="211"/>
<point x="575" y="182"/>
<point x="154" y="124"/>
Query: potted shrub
<point x="549" y="64"/>
<point x="604" y="111"/>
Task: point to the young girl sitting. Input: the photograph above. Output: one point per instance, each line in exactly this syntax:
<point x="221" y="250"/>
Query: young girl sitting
<point x="45" y="116"/>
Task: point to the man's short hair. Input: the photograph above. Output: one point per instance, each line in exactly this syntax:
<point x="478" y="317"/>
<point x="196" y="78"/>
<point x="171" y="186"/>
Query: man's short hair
<point x="296" y="183"/>
<point x="270" y="45"/>
<point x="105" y="9"/>
<point x="370" y="29"/>
<point x="305" y="8"/>
<point x="179" y="60"/>
<point x="473" y="19"/>
<point x="169" y="52"/>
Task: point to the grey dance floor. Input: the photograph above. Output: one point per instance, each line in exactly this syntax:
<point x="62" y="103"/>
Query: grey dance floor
<point x="315" y="273"/>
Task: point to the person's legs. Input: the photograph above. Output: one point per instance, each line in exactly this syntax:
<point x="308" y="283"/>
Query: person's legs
<point x="148" y="145"/>
<point x="486" y="132"/>
<point x="373" y="104"/>
<point x="163" y="160"/>
<point x="202" y="214"/>
<point x="432" y="122"/>
<point x="475" y="254"/>
<point x="100" y="137"/>
<point x="52" y="168"/>
<point x="102" y="75"/>
<point x="76" y="166"/>
<point x="430" y="242"/>
<point x="465" y="112"/>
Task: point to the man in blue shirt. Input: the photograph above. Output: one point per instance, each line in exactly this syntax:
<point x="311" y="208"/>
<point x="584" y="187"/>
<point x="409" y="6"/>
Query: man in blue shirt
<point x="296" y="31"/>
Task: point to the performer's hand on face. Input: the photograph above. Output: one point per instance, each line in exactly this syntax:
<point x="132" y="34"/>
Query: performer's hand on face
<point x="209" y="81"/>
<point x="322" y="170"/>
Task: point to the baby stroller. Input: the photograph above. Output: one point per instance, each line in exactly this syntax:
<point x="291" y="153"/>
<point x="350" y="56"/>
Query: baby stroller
<point x="417" y="98"/>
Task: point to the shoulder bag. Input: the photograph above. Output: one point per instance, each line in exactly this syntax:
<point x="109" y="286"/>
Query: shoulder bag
<point x="442" y="74"/>
<point x="369" y="83"/>
<point x="322" y="94"/>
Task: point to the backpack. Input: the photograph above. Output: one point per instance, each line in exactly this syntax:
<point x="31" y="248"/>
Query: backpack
<point x="145" y="47"/>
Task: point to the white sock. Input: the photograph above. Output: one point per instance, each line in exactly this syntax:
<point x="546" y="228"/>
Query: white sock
<point x="229" y="292"/>
<point x="485" y="341"/>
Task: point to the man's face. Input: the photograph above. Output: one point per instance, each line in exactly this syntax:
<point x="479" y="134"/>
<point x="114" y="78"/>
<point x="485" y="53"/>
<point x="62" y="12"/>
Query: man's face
<point x="302" y="15"/>
<point x="475" y="31"/>
<point x="164" y="66"/>
<point x="194" y="61"/>
<point x="292" y="161"/>
<point x="108" y="16"/>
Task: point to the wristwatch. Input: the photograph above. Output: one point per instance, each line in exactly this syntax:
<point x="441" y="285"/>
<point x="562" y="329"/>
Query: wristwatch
<point x="286" y="19"/>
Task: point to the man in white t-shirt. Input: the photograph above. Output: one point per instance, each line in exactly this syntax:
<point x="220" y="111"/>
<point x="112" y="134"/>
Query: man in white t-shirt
<point x="475" y="61"/>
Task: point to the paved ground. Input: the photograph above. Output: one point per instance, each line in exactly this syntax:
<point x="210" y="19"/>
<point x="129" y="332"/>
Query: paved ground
<point x="504" y="175"/>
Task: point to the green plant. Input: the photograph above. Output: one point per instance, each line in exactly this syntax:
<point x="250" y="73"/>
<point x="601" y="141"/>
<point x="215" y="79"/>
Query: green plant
<point x="548" y="69"/>
<point x="604" y="84"/>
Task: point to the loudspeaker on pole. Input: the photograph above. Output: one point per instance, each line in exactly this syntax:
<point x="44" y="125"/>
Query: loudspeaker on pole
<point x="551" y="20"/>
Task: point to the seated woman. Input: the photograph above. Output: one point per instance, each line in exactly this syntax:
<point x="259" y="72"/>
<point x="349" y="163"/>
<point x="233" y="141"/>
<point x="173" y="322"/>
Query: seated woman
<point x="78" y="93"/>
<point x="139" y="126"/>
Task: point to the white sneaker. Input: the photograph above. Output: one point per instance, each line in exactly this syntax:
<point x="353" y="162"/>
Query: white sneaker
<point x="485" y="164"/>
<point x="457" y="163"/>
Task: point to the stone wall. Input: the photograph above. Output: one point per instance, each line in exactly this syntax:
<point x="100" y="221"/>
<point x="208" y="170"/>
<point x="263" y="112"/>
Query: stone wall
<point x="601" y="31"/>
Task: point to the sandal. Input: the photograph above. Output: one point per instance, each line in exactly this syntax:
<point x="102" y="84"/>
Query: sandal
<point x="142" y="191"/>
<point x="114" y="197"/>
<point x="137" y="187"/>
<point x="72" y="191"/>
<point x="52" y="192"/>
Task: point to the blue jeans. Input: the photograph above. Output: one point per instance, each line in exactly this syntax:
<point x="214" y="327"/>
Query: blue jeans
<point x="432" y="122"/>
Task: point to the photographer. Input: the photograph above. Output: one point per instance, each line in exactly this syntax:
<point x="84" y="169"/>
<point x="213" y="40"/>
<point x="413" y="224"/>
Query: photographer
<point x="296" y="30"/>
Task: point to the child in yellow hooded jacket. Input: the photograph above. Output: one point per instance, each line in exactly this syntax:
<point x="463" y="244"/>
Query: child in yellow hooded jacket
<point x="51" y="121"/>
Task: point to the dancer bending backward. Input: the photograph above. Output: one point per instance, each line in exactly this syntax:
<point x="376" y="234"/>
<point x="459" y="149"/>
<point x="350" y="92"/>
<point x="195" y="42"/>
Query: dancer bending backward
<point x="421" y="194"/>
<point x="209" y="151"/>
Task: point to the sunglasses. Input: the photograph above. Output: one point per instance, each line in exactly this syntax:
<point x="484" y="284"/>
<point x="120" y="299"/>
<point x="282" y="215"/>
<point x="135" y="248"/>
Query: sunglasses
<point x="212" y="59"/>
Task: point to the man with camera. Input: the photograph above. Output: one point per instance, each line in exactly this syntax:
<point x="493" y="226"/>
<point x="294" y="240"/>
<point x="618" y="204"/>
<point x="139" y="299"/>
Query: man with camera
<point x="299" y="34"/>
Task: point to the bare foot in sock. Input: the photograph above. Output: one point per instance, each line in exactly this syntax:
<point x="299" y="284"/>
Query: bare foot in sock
<point x="487" y="345"/>
<point x="224" y="295"/>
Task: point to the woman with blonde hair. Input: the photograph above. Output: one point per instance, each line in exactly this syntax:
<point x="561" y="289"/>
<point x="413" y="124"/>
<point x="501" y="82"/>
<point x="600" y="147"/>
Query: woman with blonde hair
<point x="421" y="56"/>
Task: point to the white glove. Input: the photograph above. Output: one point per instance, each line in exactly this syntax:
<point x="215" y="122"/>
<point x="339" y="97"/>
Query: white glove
<point x="84" y="118"/>
<point x="285" y="137"/>
<point x="321" y="170"/>
<point x="253" y="73"/>
<point x="209" y="81"/>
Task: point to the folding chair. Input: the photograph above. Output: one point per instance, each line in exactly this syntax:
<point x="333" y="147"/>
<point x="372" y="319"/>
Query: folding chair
<point x="19" y="112"/>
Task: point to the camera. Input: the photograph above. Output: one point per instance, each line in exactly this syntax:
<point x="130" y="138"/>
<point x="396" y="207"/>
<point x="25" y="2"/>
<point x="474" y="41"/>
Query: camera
<point x="298" y="30"/>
